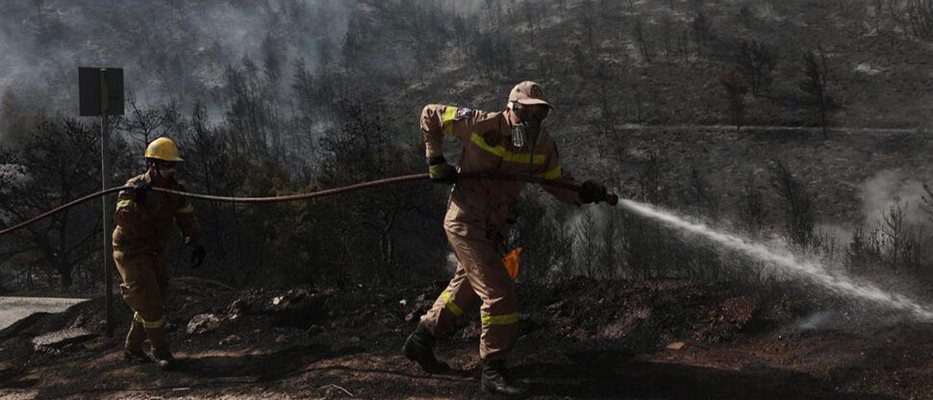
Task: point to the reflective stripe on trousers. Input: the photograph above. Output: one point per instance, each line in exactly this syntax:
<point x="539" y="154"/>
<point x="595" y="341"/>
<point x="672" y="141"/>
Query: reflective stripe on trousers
<point x="479" y="276"/>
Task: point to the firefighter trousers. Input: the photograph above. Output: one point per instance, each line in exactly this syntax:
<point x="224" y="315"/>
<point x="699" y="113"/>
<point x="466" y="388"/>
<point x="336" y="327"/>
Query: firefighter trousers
<point x="480" y="275"/>
<point x="145" y="281"/>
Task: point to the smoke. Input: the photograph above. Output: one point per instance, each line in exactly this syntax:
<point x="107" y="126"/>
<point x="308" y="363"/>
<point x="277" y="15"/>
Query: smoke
<point x="880" y="192"/>
<point x="450" y="267"/>
<point x="588" y="227"/>
<point x="817" y="321"/>
<point x="594" y="218"/>
<point x="12" y="58"/>
<point x="167" y="49"/>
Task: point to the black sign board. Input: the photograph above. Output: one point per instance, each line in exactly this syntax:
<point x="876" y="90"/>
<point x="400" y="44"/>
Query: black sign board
<point x="89" y="87"/>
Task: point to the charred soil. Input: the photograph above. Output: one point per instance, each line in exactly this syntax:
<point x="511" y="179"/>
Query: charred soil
<point x="581" y="338"/>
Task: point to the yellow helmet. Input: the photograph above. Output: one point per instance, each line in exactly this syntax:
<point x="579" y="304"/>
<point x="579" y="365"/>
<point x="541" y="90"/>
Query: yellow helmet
<point x="163" y="149"/>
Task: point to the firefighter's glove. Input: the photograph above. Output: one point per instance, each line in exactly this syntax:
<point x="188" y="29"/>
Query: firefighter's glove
<point x="592" y="192"/>
<point x="140" y="191"/>
<point x="197" y="256"/>
<point x="441" y="171"/>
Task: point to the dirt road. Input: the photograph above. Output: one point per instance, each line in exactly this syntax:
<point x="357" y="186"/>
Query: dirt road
<point x="13" y="309"/>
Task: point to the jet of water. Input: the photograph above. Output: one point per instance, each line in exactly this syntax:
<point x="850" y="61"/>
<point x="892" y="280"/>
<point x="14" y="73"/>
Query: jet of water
<point x="809" y="269"/>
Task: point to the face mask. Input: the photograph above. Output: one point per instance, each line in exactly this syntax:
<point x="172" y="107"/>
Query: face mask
<point x="519" y="134"/>
<point x="527" y="130"/>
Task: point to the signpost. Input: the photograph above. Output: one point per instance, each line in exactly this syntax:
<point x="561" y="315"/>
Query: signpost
<point x="100" y="93"/>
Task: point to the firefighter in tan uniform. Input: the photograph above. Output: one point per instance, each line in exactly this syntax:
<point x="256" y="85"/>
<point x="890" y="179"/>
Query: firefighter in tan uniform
<point x="511" y="142"/>
<point x="144" y="221"/>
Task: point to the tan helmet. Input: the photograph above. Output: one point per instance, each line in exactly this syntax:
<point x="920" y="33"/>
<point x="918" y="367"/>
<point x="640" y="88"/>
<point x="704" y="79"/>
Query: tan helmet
<point x="163" y="149"/>
<point x="528" y="93"/>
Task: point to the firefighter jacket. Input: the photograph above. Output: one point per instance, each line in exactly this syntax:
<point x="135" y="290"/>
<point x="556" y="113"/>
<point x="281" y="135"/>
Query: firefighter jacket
<point x="144" y="228"/>
<point x="480" y="208"/>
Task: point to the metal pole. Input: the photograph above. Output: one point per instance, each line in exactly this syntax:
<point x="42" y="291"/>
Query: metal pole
<point x="105" y="200"/>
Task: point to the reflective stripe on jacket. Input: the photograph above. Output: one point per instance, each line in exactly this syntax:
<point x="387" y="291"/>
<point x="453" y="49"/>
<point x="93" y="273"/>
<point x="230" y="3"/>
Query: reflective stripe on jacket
<point x="480" y="208"/>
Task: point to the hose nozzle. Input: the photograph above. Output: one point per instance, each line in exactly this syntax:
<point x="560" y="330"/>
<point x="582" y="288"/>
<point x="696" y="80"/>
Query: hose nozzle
<point x="611" y="199"/>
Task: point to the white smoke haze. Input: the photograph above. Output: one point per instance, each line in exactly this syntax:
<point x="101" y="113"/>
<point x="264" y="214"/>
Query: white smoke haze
<point x="587" y="226"/>
<point x="168" y="50"/>
<point x="817" y="321"/>
<point x="450" y="267"/>
<point x="12" y="61"/>
<point x="878" y="194"/>
<point x="883" y="190"/>
<point x="595" y="216"/>
<point x="842" y="234"/>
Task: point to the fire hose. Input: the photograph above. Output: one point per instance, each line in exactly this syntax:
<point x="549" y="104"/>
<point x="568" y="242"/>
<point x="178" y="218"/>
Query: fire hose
<point x="610" y="198"/>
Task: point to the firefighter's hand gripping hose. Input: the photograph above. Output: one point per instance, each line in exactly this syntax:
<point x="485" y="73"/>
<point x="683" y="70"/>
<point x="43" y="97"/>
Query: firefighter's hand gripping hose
<point x="610" y="198"/>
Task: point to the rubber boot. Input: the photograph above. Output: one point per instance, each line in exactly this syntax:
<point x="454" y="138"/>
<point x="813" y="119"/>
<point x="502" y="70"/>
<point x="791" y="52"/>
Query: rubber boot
<point x="496" y="381"/>
<point x="133" y="346"/>
<point x="165" y="361"/>
<point x="419" y="347"/>
<point x="160" y="351"/>
<point x="136" y="356"/>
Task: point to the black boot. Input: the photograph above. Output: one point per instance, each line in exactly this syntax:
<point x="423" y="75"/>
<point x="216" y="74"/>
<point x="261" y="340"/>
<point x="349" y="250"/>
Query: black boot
<point x="419" y="347"/>
<point x="165" y="361"/>
<point x="135" y="356"/>
<point x="497" y="382"/>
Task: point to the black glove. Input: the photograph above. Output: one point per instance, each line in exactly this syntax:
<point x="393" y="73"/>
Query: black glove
<point x="592" y="192"/>
<point x="441" y="171"/>
<point x="140" y="191"/>
<point x="197" y="256"/>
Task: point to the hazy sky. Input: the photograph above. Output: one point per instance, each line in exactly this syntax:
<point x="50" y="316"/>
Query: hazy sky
<point x="165" y="47"/>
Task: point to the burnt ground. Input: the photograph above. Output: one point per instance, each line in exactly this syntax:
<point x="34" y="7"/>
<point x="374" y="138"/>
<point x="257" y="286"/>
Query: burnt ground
<point x="581" y="339"/>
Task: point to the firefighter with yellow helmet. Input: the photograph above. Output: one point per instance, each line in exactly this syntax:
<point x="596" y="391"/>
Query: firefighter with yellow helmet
<point x="144" y="220"/>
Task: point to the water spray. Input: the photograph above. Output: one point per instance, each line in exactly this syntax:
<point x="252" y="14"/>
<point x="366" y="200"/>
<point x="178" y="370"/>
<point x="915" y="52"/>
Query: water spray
<point x="809" y="269"/>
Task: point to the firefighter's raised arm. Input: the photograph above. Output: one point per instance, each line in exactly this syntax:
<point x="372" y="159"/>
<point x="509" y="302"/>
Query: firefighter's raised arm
<point x="129" y="212"/>
<point x="439" y="120"/>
